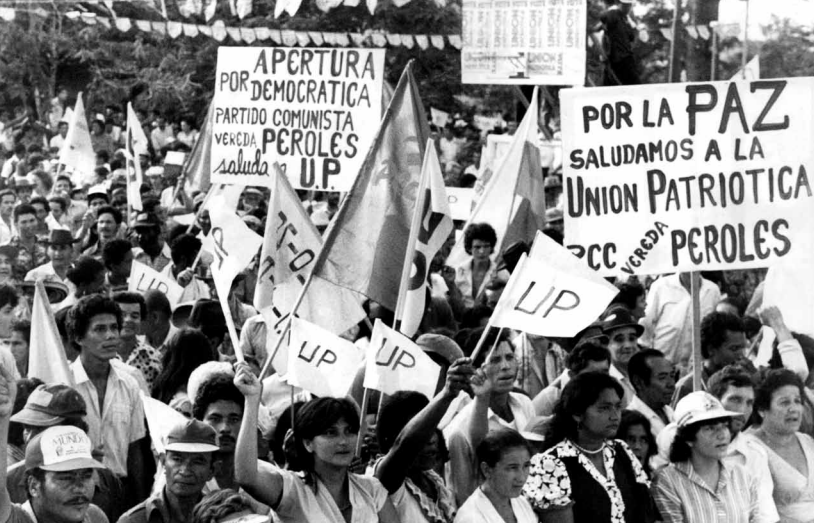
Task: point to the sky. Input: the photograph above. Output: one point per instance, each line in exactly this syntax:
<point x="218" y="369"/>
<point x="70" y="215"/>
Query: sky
<point x="761" y="11"/>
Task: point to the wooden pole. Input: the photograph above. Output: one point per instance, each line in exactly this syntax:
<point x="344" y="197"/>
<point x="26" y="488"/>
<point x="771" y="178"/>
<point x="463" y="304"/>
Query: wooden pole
<point x="714" y="62"/>
<point x="745" y="57"/>
<point x="674" y="42"/>
<point x="697" y="360"/>
<point x="362" y="423"/>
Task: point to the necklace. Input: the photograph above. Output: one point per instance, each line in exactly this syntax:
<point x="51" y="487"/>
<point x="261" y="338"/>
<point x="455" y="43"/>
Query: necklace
<point x="591" y="452"/>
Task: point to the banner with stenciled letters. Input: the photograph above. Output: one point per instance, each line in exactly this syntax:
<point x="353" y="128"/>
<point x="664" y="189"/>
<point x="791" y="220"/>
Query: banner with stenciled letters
<point x="314" y="111"/>
<point x="688" y="177"/>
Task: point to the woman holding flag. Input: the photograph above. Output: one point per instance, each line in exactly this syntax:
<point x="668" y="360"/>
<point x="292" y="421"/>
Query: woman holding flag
<point x="318" y="487"/>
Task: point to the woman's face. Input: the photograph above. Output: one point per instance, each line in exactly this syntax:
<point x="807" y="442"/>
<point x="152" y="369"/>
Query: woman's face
<point x="623" y="344"/>
<point x="6" y="268"/>
<point x="501" y="367"/>
<point x="636" y="438"/>
<point x="509" y="474"/>
<point x="601" y="420"/>
<point x="428" y="458"/>
<point x="785" y="411"/>
<point x="336" y="446"/>
<point x="712" y="440"/>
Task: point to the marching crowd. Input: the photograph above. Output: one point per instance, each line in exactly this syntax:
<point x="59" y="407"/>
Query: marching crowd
<point x="603" y="427"/>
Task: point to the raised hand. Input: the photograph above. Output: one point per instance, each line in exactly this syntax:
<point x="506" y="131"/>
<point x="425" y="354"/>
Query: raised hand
<point x="459" y="375"/>
<point x="480" y="383"/>
<point x="246" y="382"/>
<point x="8" y="392"/>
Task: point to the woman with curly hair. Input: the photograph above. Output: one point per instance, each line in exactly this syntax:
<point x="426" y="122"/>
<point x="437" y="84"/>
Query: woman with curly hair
<point x="586" y="475"/>
<point x="479" y="242"/>
<point x="318" y="487"/>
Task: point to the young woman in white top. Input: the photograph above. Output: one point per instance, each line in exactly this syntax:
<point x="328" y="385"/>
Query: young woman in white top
<point x="504" y="458"/>
<point x="318" y="488"/>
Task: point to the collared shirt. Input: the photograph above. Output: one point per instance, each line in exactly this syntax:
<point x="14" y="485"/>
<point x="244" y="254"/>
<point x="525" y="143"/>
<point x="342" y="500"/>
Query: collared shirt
<point x="626" y="384"/>
<point x="656" y="422"/>
<point x="462" y="468"/>
<point x="751" y="455"/>
<point x="119" y="422"/>
<point x="683" y="496"/>
<point x="146" y="359"/>
<point x="667" y="321"/>
<point x="154" y="509"/>
<point x="158" y="263"/>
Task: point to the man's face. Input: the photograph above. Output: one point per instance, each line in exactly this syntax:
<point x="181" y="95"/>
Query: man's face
<point x="24" y="193"/>
<point x="19" y="348"/>
<point x="161" y="122"/>
<point x="60" y="255"/>
<point x="63" y="95"/>
<point x="659" y="391"/>
<point x="63" y="496"/>
<point x="187" y="472"/>
<point x="205" y="222"/>
<point x="41" y="210"/>
<point x="147" y="236"/>
<point x="95" y="203"/>
<point x="623" y="344"/>
<point x="102" y="337"/>
<point x="131" y="319"/>
<point x="62" y="186"/>
<point x="122" y="270"/>
<point x="27" y="225"/>
<point x="742" y="400"/>
<point x="56" y="209"/>
<point x="63" y="130"/>
<point x="730" y="351"/>
<point x="225" y="417"/>
<point x="7" y="205"/>
<point x="106" y="226"/>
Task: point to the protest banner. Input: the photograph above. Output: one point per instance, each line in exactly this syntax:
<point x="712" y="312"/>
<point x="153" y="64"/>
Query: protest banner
<point x="310" y="110"/>
<point x="144" y="278"/>
<point x="460" y="202"/>
<point x="688" y="177"/>
<point x="522" y="42"/>
<point x="394" y="363"/>
<point x="321" y="362"/>
<point x="552" y="293"/>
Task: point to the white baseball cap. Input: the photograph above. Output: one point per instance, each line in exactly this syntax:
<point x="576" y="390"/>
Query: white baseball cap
<point x="60" y="449"/>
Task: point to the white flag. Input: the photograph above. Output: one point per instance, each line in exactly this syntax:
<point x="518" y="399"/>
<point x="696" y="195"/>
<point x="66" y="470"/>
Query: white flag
<point x="46" y="356"/>
<point x="751" y="72"/>
<point x="77" y="152"/>
<point x="290" y="245"/>
<point x="161" y="419"/>
<point x="439" y="118"/>
<point x="552" y="293"/>
<point x="321" y="362"/>
<point x="143" y="278"/>
<point x="430" y="228"/>
<point x="394" y="363"/>
<point x="136" y="144"/>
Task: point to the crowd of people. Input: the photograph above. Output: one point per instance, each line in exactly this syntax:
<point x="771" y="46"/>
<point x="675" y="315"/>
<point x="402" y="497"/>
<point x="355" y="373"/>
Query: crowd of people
<point x="605" y="427"/>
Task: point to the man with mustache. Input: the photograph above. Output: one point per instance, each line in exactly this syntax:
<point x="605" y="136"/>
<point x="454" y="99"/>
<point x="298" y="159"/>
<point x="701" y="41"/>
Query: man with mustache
<point x="60" y="472"/>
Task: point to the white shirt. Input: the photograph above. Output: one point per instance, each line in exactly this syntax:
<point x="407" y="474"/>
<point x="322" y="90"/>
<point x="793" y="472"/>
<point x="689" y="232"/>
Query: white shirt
<point x="656" y="422"/>
<point x="478" y="509"/>
<point x="119" y="422"/>
<point x="195" y="289"/>
<point x="668" y="317"/>
<point x="745" y="451"/>
<point x="626" y="384"/>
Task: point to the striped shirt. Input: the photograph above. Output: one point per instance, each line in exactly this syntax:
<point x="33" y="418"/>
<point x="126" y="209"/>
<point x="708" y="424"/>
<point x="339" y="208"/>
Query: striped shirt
<point x="682" y="496"/>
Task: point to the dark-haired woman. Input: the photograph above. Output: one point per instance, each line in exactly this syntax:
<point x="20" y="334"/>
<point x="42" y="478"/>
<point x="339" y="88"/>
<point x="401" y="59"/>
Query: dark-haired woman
<point x="186" y="350"/>
<point x="634" y="430"/>
<point x="479" y="242"/>
<point x="503" y="463"/>
<point x="779" y="404"/>
<point x="697" y="487"/>
<point x="586" y="475"/>
<point x="318" y="487"/>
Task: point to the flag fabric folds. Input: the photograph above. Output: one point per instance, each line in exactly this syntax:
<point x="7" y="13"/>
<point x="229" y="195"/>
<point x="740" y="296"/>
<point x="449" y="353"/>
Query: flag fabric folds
<point x="321" y="362"/>
<point x="552" y="293"/>
<point x="46" y="356"/>
<point x="394" y="363"/>
<point x="77" y="152"/>
<point x="366" y="243"/>
<point x="198" y="168"/>
<point x="431" y="226"/>
<point x="513" y="199"/>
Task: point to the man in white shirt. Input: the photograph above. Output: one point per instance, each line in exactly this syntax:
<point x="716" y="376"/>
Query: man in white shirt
<point x="667" y="321"/>
<point x="736" y="390"/>
<point x="653" y="378"/>
<point x="7" y="200"/>
<point x="58" y="140"/>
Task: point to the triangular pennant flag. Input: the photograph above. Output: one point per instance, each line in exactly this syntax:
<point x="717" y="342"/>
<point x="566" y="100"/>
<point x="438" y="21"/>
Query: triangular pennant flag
<point x="316" y="37"/>
<point x="430" y="228"/>
<point x="342" y="39"/>
<point x="350" y="3"/>
<point x="393" y="39"/>
<point x="692" y="31"/>
<point x="104" y="21"/>
<point x="136" y="145"/>
<point x="160" y="27"/>
<point x="276" y="36"/>
<point x="8" y="14"/>
<point x="248" y="35"/>
<point x="46" y="356"/>
<point x="289" y="246"/>
<point x="161" y="419"/>
<point x="219" y="31"/>
<point x="174" y="29"/>
<point x="244" y="8"/>
<point x="366" y="243"/>
<point x="292" y="6"/>
<point x="513" y="200"/>
<point x="209" y="9"/>
<point x="197" y="170"/>
<point x="437" y="41"/>
<point x="552" y="293"/>
<point x="321" y="362"/>
<point x="422" y="41"/>
<point x="407" y="41"/>
<point x="358" y="38"/>
<point x="123" y="24"/>
<point x="144" y="25"/>
<point x="205" y="30"/>
<point x="262" y="33"/>
<point x="703" y="32"/>
<point x="327" y="5"/>
<point x="289" y="38"/>
<point x="378" y="39"/>
<point x="302" y="38"/>
<point x="234" y="34"/>
<point x="77" y="151"/>
<point x="394" y="364"/>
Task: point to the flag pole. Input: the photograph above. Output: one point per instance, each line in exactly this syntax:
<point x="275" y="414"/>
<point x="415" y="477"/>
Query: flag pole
<point x="697" y="360"/>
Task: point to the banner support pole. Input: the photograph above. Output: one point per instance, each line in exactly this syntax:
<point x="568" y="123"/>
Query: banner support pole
<point x="697" y="360"/>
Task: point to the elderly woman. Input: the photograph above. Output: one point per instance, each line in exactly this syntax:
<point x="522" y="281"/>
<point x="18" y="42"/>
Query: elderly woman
<point x="779" y="405"/>
<point x="504" y="458"/>
<point x="697" y="487"/>
<point x="586" y="474"/>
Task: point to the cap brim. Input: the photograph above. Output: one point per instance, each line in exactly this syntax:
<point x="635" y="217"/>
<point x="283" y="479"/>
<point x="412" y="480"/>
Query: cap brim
<point x="73" y="464"/>
<point x="711" y="415"/>
<point x="36" y="418"/>
<point x="191" y="447"/>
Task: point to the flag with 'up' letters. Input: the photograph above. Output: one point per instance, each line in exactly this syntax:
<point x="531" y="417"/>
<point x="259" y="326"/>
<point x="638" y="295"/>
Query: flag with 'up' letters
<point x="395" y="363"/>
<point x="320" y="362"/>
<point x="552" y="293"/>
